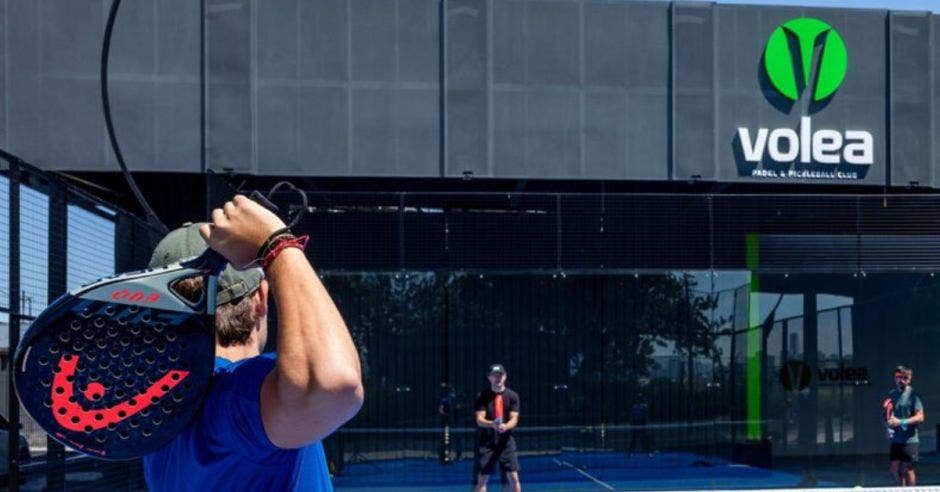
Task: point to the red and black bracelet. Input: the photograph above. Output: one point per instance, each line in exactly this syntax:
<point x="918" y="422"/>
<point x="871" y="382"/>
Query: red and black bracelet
<point x="278" y="241"/>
<point x="271" y="240"/>
<point x="282" y="244"/>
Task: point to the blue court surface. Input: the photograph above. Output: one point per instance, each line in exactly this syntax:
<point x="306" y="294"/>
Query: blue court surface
<point x="574" y="471"/>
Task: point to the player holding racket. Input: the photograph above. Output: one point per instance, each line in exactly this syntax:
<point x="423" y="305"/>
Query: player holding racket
<point x="497" y="414"/>
<point x="262" y="421"/>
<point x="904" y="410"/>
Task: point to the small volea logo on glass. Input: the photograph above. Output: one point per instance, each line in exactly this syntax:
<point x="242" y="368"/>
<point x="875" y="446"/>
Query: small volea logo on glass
<point x="779" y="61"/>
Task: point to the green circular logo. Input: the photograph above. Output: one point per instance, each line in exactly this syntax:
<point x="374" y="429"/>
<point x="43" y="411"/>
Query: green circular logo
<point x="780" y="62"/>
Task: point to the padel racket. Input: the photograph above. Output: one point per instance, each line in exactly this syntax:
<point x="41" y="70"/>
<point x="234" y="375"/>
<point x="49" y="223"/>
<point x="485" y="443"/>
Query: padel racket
<point x="117" y="368"/>
<point x="888" y="406"/>
<point x="498" y="413"/>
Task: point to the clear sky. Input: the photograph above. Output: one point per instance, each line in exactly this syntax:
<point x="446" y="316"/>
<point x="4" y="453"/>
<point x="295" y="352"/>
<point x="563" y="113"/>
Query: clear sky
<point x="931" y="5"/>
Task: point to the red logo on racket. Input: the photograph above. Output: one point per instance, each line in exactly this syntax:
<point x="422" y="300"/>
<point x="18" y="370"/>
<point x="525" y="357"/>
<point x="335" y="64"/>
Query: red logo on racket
<point x="69" y="414"/>
<point x="135" y="296"/>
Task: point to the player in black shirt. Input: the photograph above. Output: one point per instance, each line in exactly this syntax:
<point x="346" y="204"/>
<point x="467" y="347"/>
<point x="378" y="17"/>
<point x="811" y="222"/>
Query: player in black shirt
<point x="497" y="414"/>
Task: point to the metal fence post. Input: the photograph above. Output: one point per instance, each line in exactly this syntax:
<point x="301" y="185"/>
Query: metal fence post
<point x="57" y="285"/>
<point x="13" y="404"/>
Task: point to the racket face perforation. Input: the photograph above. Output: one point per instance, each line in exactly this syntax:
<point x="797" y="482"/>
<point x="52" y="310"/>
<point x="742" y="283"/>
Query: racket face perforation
<point x="112" y="380"/>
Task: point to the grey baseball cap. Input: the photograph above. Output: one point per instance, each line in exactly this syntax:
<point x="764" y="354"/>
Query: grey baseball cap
<point x="496" y="368"/>
<point x="186" y="242"/>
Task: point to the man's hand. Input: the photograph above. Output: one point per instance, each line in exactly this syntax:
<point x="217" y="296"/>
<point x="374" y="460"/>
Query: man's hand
<point x="500" y="428"/>
<point x="239" y="229"/>
<point x="894" y="422"/>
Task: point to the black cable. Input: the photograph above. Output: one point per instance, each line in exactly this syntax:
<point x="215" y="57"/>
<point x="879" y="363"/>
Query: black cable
<point x="291" y="221"/>
<point x="106" y="106"/>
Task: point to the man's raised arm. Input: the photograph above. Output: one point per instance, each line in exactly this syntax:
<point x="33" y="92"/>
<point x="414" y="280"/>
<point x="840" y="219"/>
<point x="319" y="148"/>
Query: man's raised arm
<point x="316" y="385"/>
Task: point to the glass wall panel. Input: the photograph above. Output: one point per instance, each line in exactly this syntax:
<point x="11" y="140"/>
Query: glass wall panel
<point x="727" y="367"/>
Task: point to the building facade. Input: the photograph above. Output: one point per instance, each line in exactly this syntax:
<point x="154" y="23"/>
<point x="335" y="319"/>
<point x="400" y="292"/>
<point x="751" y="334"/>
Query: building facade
<point x="726" y="210"/>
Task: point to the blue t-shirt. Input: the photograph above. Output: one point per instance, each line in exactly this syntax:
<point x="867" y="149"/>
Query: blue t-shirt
<point x="225" y="446"/>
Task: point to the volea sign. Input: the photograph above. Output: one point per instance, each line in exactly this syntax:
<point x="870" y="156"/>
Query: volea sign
<point x="806" y="144"/>
<point x="823" y="146"/>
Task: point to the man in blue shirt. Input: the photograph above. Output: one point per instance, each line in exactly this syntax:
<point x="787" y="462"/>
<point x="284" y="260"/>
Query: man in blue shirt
<point x="264" y="417"/>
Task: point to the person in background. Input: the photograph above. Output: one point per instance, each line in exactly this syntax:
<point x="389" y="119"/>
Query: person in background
<point x="905" y="412"/>
<point x="497" y="414"/>
<point x="447" y="408"/>
<point x="639" y="417"/>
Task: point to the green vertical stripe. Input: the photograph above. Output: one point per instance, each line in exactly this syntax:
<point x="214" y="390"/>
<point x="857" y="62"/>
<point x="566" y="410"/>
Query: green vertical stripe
<point x="753" y="345"/>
